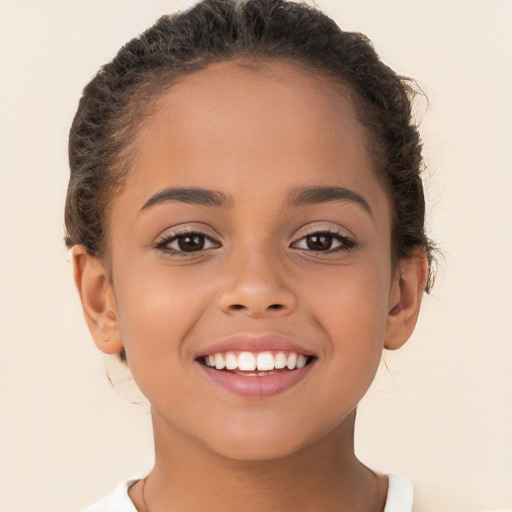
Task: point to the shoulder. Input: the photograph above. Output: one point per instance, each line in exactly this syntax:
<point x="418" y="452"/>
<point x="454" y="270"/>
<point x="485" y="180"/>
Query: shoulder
<point x="400" y="494"/>
<point x="118" y="501"/>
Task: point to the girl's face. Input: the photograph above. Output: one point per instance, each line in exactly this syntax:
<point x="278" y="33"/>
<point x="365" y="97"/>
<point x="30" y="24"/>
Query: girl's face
<point x="253" y="221"/>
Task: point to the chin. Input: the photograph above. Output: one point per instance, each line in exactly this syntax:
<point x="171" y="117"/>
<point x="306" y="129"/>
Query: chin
<point x="255" y="452"/>
<point x="259" y="442"/>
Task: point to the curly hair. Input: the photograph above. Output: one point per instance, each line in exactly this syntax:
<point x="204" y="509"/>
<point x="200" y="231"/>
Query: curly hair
<point x="116" y="100"/>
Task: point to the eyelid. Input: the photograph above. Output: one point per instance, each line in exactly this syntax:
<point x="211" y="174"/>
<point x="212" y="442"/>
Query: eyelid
<point x="347" y="240"/>
<point x="174" y="233"/>
<point x="189" y="228"/>
<point x="323" y="227"/>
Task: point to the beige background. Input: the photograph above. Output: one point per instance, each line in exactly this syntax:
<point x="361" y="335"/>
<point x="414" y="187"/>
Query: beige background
<point x="442" y="414"/>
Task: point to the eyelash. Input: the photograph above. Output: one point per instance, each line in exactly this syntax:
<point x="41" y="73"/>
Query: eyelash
<point x="346" y="243"/>
<point x="163" y="245"/>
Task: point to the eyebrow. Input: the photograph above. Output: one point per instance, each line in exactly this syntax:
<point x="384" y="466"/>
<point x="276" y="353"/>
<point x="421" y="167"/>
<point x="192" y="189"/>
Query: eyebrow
<point x="299" y="197"/>
<point x="323" y="194"/>
<point x="192" y="195"/>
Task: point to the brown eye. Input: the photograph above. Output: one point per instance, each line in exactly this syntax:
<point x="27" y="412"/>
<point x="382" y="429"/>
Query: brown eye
<point x="191" y="243"/>
<point x="319" y="242"/>
<point x="326" y="242"/>
<point x="186" y="243"/>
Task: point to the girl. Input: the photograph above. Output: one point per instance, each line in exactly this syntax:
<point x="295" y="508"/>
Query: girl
<point x="246" y="214"/>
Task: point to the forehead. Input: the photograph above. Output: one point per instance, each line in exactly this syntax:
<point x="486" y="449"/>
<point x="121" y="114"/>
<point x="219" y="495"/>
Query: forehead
<point x="252" y="86"/>
<point x="264" y="123"/>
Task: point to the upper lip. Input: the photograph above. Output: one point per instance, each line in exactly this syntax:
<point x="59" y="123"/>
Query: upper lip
<point x="255" y="343"/>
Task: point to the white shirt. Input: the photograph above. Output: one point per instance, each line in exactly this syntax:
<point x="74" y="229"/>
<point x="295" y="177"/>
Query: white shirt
<point x="399" y="497"/>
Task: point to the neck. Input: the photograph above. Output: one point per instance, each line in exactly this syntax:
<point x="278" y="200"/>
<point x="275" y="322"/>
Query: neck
<point x="325" y="475"/>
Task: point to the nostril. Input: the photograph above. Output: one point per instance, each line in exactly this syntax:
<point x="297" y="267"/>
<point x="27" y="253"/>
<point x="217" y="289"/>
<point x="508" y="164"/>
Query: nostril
<point x="275" y="306"/>
<point x="238" y="306"/>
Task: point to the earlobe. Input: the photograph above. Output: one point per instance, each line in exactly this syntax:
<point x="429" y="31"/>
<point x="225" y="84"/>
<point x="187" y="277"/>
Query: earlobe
<point x="98" y="300"/>
<point x="405" y="300"/>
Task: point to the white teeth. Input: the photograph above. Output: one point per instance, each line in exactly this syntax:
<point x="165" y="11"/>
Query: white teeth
<point x="265" y="361"/>
<point x="231" y="361"/>
<point x="291" y="363"/>
<point x="301" y="361"/>
<point x="246" y="362"/>
<point x="219" y="362"/>
<point x="280" y="361"/>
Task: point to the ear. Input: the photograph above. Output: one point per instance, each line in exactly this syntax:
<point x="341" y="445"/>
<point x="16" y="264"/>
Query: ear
<point x="405" y="299"/>
<point x="98" y="301"/>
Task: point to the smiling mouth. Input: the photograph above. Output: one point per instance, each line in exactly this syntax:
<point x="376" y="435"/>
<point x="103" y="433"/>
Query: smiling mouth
<point x="256" y="364"/>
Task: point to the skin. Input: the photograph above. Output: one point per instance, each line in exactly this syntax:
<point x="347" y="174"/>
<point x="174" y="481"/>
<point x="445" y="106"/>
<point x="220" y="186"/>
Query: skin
<point x="255" y="133"/>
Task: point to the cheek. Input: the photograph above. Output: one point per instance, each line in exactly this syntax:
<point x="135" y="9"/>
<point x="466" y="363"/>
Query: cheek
<point x="154" y="318"/>
<point x="156" y="310"/>
<point x="352" y="299"/>
<point x="351" y="305"/>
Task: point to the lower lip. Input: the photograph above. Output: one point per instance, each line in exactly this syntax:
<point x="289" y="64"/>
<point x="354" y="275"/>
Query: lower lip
<point x="256" y="386"/>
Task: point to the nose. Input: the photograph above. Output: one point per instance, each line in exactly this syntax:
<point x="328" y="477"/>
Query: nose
<point x="257" y="288"/>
